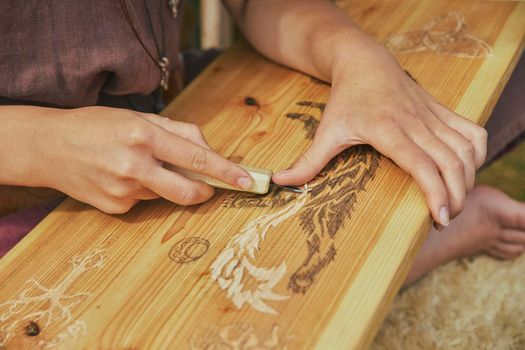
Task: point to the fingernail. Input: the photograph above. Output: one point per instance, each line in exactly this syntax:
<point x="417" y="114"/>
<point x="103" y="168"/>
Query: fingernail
<point x="244" y="182"/>
<point x="443" y="216"/>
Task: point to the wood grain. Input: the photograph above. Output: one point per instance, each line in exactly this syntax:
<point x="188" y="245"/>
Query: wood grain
<point x="161" y="276"/>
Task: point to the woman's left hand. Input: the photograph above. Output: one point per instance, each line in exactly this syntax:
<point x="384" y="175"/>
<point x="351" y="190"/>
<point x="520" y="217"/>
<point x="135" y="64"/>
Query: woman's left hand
<point x="373" y="101"/>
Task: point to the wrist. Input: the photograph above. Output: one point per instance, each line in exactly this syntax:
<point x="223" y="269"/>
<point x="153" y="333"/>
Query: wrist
<point x="354" y="50"/>
<point x="46" y="151"/>
<point x="29" y="139"/>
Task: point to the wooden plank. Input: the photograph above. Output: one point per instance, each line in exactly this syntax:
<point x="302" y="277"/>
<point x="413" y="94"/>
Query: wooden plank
<point x="327" y="263"/>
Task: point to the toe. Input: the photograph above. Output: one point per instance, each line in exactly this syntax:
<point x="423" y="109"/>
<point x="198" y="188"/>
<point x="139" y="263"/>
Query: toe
<point x="513" y="236"/>
<point x="511" y="214"/>
<point x="507" y="250"/>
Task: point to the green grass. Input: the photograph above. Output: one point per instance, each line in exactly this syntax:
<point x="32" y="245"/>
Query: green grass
<point x="507" y="173"/>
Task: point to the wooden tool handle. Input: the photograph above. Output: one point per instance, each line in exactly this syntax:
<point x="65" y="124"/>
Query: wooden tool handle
<point x="261" y="178"/>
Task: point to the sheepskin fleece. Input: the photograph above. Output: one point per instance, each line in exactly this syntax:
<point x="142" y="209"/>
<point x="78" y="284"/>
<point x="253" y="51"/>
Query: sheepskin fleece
<point x="466" y="304"/>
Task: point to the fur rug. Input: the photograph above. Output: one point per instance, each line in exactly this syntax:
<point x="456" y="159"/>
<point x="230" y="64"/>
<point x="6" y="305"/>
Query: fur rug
<point x="477" y="303"/>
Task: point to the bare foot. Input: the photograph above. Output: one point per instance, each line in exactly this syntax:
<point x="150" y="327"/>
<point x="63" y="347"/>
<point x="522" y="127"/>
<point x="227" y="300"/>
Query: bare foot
<point x="490" y="223"/>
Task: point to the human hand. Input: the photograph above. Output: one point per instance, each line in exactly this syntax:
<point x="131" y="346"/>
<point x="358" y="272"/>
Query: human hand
<point x="112" y="158"/>
<point x="373" y="101"/>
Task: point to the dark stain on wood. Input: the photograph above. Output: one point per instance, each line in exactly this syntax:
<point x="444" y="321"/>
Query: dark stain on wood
<point x="204" y="274"/>
<point x="250" y="101"/>
<point x="226" y="309"/>
<point x="32" y="329"/>
<point x="368" y="10"/>
<point x="259" y="135"/>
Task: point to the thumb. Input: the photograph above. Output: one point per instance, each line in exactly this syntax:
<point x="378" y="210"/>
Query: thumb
<point x="313" y="160"/>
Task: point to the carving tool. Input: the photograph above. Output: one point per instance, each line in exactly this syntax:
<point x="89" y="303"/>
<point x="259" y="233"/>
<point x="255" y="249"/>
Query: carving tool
<point x="262" y="180"/>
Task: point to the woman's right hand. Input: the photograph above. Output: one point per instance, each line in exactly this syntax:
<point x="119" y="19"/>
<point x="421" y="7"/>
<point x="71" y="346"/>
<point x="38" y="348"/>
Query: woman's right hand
<point x="112" y="158"/>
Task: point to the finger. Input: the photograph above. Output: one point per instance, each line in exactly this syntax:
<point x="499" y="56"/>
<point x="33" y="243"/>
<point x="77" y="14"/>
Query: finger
<point x="145" y="194"/>
<point x="121" y="192"/>
<point x="463" y="149"/>
<point x="111" y="206"/>
<point x="508" y="250"/>
<point x="412" y="159"/>
<point x="514" y="236"/>
<point x="474" y="133"/>
<point x="450" y="166"/>
<point x="176" y="188"/>
<point x="186" y="154"/>
<point x="123" y="189"/>
<point x="105" y="203"/>
<point x="312" y="161"/>
<point x="185" y="130"/>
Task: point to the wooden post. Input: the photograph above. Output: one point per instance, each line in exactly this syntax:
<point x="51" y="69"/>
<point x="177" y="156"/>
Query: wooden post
<point x="216" y="25"/>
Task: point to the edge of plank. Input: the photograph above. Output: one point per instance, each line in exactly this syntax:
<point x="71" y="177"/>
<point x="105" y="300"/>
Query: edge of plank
<point x="345" y="330"/>
<point x="513" y="31"/>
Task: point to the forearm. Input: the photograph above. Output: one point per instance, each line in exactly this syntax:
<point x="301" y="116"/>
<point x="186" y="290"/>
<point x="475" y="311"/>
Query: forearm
<point x="23" y="137"/>
<point x="311" y="36"/>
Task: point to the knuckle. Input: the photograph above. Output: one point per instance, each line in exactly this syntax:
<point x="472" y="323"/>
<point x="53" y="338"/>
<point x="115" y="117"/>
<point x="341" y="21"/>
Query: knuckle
<point x="424" y="164"/>
<point x="137" y="134"/>
<point x="481" y="133"/>
<point x="454" y="165"/>
<point x="127" y="168"/>
<point x="466" y="148"/>
<point x="199" y="160"/>
<point x="120" y="191"/>
<point x="116" y="208"/>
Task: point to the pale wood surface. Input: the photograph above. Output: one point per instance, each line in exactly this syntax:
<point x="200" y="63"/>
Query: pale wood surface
<point x="135" y="281"/>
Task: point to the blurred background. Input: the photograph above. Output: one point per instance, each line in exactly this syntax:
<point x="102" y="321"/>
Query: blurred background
<point x="206" y="24"/>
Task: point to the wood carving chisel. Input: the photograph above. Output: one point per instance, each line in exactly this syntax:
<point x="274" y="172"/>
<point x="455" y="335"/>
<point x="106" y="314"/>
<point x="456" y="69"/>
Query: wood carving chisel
<point x="262" y="180"/>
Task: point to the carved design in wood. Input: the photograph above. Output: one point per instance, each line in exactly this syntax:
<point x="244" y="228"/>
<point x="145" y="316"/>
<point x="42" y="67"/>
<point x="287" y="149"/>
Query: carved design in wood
<point x="189" y="249"/>
<point x="240" y="336"/>
<point x="43" y="306"/>
<point x="445" y="34"/>
<point x="322" y="212"/>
